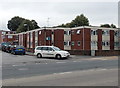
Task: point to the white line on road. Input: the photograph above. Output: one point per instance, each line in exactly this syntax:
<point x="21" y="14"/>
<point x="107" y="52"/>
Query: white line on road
<point x="76" y="61"/>
<point x="18" y="65"/>
<point x="60" y="62"/>
<point x="23" y="69"/>
<point x="63" y="73"/>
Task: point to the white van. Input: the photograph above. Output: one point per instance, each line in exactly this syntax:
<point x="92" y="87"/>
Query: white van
<point x="50" y="51"/>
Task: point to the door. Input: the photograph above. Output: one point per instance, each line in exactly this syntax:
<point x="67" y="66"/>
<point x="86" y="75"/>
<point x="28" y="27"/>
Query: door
<point x="51" y="52"/>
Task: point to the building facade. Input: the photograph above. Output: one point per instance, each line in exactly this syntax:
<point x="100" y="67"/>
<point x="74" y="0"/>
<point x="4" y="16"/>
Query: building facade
<point x="7" y="36"/>
<point x="79" y="38"/>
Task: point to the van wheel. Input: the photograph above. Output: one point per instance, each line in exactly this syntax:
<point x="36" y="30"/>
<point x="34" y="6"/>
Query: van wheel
<point x="58" y="56"/>
<point x="39" y="55"/>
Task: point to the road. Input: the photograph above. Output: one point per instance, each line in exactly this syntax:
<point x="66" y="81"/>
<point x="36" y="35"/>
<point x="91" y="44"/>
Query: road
<point x="77" y="71"/>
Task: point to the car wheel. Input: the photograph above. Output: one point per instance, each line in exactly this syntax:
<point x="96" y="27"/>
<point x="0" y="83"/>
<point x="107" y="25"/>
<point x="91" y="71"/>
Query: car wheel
<point x="58" y="56"/>
<point x="14" y="53"/>
<point x="39" y="55"/>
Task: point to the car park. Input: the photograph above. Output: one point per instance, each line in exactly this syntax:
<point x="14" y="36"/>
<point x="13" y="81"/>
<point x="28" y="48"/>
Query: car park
<point x="50" y="51"/>
<point x="17" y="49"/>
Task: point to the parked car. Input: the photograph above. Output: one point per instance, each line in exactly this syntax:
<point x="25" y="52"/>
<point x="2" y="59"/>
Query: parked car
<point x="17" y="49"/>
<point x="4" y="45"/>
<point x="50" y="51"/>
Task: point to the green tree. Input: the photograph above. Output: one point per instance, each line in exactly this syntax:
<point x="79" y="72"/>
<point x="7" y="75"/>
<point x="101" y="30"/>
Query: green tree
<point x="108" y="26"/>
<point x="113" y="26"/>
<point x="80" y="20"/>
<point x="26" y="25"/>
<point x="20" y="24"/>
<point x="14" y="23"/>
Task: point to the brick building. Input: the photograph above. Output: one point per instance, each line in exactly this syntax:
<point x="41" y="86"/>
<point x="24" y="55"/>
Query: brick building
<point x="79" y="40"/>
<point x="7" y="36"/>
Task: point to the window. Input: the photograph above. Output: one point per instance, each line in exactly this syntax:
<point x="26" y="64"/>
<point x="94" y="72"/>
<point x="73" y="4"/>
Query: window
<point x="50" y="49"/>
<point x="3" y="33"/>
<point x="67" y="32"/>
<point x="44" y="48"/>
<point x="52" y="32"/>
<point x="67" y="43"/>
<point x="10" y="36"/>
<point x="78" y="43"/>
<point x="40" y="32"/>
<point x="105" y="43"/>
<point x="72" y="43"/>
<point x="93" y="32"/>
<point x="105" y="32"/>
<point x="117" y="33"/>
<point x="39" y="48"/>
<point x="94" y="43"/>
<point x="116" y="44"/>
<point x="78" y="32"/>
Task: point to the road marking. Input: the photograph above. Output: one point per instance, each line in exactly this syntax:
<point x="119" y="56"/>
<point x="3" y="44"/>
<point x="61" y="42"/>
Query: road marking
<point x="76" y="61"/>
<point x="23" y="69"/>
<point x="18" y="65"/>
<point x="63" y="73"/>
<point x="60" y="62"/>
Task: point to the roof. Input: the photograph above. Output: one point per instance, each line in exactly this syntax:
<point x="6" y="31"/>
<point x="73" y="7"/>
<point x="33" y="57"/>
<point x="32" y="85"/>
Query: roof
<point x="91" y="27"/>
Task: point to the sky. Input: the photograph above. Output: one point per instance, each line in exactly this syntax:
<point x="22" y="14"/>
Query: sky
<point x="59" y="11"/>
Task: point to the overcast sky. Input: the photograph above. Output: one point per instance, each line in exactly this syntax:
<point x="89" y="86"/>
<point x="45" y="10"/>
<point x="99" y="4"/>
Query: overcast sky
<point x="97" y="11"/>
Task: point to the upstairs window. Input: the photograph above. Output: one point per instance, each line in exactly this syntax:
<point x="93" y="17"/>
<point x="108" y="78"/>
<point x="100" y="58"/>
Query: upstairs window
<point x="78" y="32"/>
<point x="10" y="36"/>
<point x="105" y="32"/>
<point x="40" y="32"/>
<point x="67" y="32"/>
<point x="93" y="32"/>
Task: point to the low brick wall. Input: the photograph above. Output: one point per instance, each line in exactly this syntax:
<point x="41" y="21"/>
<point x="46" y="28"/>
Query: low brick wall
<point x="79" y="52"/>
<point x="97" y="52"/>
<point x="107" y="52"/>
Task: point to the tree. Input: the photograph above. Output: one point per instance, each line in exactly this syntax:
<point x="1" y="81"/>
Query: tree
<point x="108" y="26"/>
<point x="113" y="26"/>
<point x="14" y="23"/>
<point x="20" y="24"/>
<point x="80" y="20"/>
<point x="27" y="25"/>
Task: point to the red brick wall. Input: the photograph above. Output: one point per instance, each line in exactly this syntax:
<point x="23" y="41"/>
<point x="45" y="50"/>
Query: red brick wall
<point x="111" y="39"/>
<point x="75" y="38"/>
<point x="41" y="38"/>
<point x="99" y="39"/>
<point x="33" y="43"/>
<point x="87" y="39"/>
<point x="79" y="37"/>
<point x="59" y="38"/>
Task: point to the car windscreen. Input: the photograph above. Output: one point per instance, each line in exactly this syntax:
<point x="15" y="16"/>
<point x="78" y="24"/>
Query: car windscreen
<point x="56" y="48"/>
